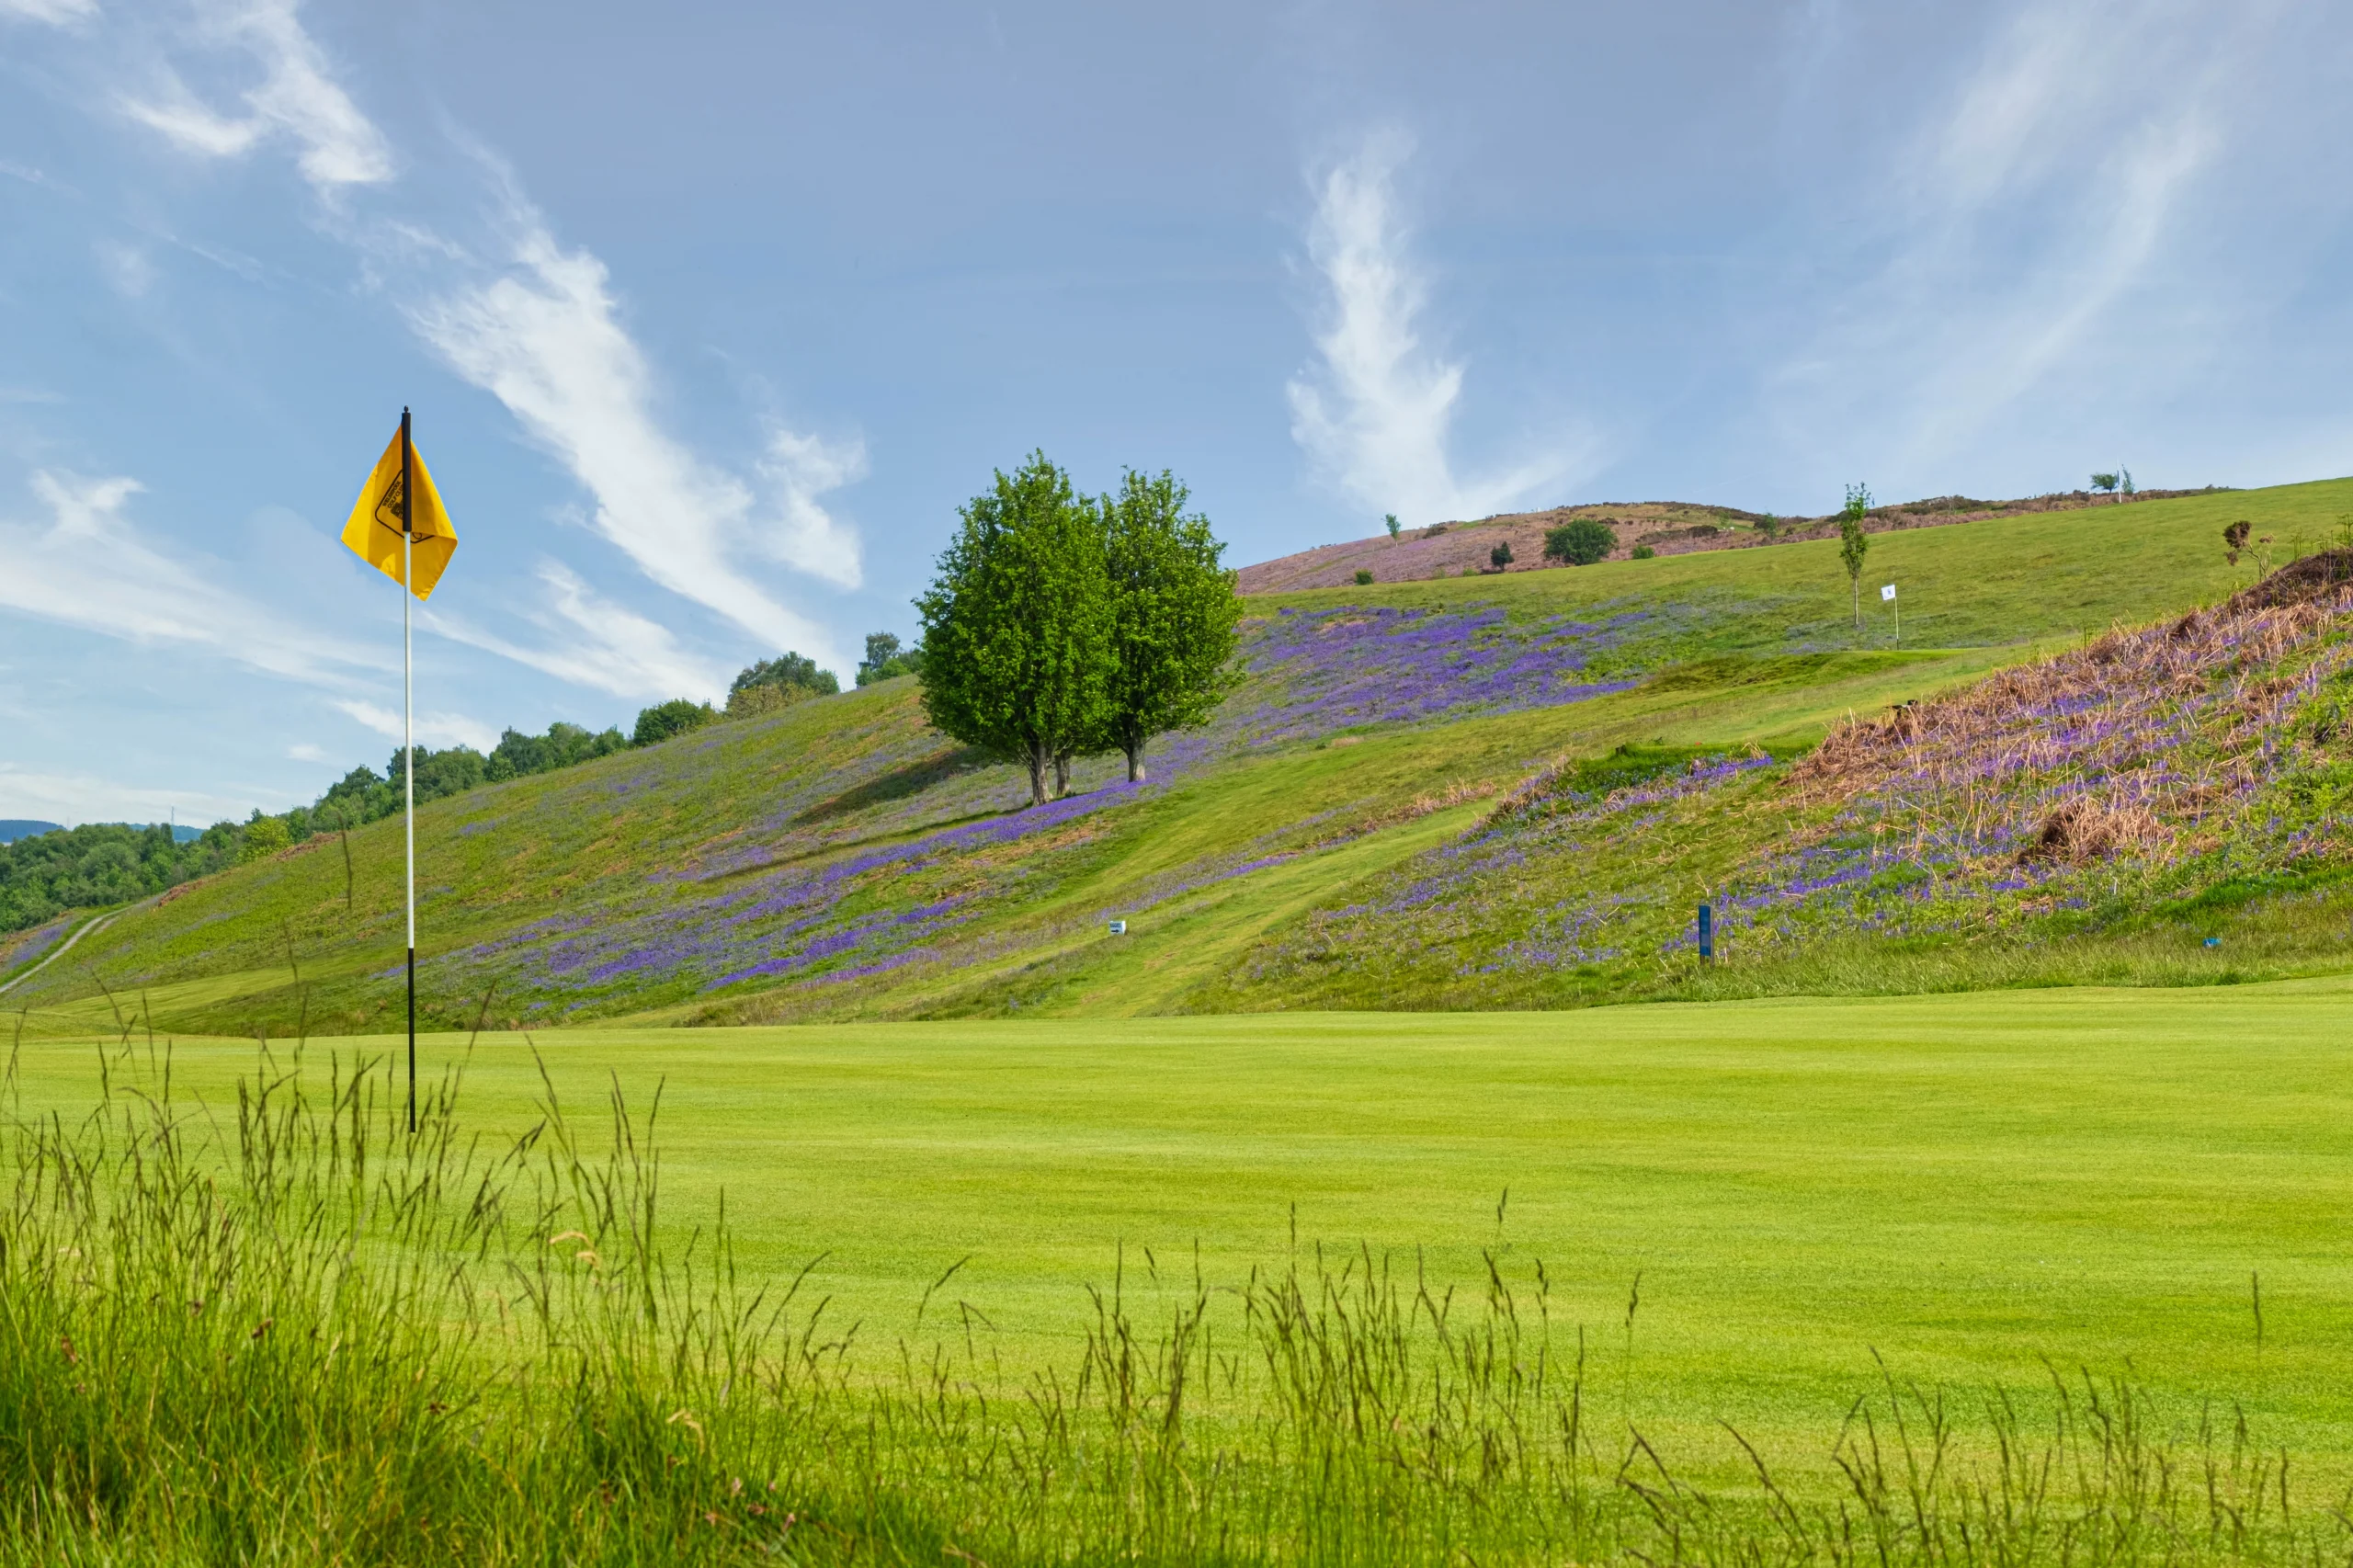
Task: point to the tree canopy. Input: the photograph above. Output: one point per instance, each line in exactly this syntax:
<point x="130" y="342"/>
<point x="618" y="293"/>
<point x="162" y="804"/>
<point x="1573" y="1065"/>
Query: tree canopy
<point x="1173" y="615"/>
<point x="1017" y="626"/>
<point x="676" y="717"/>
<point x="1580" y="542"/>
<point x="885" y="658"/>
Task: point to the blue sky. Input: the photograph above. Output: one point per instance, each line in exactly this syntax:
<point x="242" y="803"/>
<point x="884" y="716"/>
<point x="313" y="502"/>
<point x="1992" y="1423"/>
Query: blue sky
<point x="711" y="316"/>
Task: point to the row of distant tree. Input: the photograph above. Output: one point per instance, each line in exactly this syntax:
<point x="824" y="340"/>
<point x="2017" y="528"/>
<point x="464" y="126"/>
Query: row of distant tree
<point x="109" y="863"/>
<point x="103" y="863"/>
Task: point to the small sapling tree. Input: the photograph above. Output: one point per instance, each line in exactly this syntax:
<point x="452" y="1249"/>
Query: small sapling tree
<point x="1500" y="557"/>
<point x="1769" y="526"/>
<point x="1853" y="543"/>
<point x="2104" y="481"/>
<point x="1394" y="527"/>
<point x="1017" y="626"/>
<point x="1173" y="615"/>
<point x="1580" y="542"/>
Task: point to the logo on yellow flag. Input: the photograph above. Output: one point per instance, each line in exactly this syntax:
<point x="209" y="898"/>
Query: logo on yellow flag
<point x="373" y="534"/>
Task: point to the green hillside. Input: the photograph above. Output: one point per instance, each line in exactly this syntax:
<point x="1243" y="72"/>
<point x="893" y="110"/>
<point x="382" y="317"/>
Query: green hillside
<point x="838" y="860"/>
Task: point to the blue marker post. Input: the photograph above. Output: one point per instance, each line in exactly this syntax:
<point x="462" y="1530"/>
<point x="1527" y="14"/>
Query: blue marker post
<point x="1707" y="934"/>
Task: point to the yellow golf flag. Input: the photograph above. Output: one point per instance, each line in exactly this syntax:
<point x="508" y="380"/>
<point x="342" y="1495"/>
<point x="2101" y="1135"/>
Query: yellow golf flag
<point x="373" y="534"/>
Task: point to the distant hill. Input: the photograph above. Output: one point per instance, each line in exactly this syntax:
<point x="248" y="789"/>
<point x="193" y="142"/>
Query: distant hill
<point x="13" y="829"/>
<point x="1503" y="791"/>
<point x="1665" y="528"/>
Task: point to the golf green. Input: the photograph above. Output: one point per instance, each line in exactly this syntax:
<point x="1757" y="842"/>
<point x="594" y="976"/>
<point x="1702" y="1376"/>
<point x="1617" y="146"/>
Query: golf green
<point x="1976" y="1188"/>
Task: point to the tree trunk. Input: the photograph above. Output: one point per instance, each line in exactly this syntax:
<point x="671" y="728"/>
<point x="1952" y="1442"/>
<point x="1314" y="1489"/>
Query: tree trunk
<point x="1061" y="774"/>
<point x="1135" y="762"/>
<point x="1038" y="762"/>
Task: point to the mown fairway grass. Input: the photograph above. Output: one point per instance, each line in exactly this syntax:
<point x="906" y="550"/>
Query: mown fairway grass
<point x="1969" y="1187"/>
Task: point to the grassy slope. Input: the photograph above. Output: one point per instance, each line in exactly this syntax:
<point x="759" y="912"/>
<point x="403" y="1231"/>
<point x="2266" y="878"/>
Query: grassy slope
<point x="1962" y="1185"/>
<point x="1752" y="638"/>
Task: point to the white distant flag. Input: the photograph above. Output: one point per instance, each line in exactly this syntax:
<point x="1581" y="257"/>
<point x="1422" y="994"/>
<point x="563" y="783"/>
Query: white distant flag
<point x="1887" y="591"/>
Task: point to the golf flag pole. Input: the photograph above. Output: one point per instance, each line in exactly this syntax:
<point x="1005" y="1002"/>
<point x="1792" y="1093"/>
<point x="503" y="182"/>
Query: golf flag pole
<point x="1887" y="593"/>
<point x="408" y="740"/>
<point x="398" y="527"/>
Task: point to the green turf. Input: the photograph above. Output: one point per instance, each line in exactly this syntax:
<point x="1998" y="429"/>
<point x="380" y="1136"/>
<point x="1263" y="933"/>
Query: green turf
<point x="1966" y="1186"/>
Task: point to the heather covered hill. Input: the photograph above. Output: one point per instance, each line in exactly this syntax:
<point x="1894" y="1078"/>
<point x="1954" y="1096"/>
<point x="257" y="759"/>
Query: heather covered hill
<point x="2094" y="815"/>
<point x="838" y="858"/>
<point x="1662" y="527"/>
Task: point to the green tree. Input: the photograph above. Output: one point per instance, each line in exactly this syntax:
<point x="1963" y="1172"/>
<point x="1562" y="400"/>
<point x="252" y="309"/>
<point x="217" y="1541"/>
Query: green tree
<point x="439" y="773"/>
<point x="677" y="716"/>
<point x="1017" y="626"/>
<point x="885" y="658"/>
<point x="2106" y="482"/>
<point x="1364" y="577"/>
<point x="1173" y="615"/>
<point x="1500" y="557"/>
<point x="1580" y="542"/>
<point x="265" y="836"/>
<point x="1393" y="526"/>
<point x="1853" y="543"/>
<point x="790" y="671"/>
<point x="1769" y="526"/>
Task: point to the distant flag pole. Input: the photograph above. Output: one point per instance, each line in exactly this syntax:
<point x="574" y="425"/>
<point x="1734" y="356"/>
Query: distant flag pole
<point x="399" y="527"/>
<point x="1887" y="593"/>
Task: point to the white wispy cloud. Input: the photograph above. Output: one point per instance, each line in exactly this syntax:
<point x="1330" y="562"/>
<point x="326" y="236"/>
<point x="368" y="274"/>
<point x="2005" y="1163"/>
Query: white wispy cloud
<point x="73" y="799"/>
<point x="539" y="326"/>
<point x="545" y="338"/>
<point x="89" y="568"/>
<point x="56" y="13"/>
<point x="800" y="469"/>
<point x="593" y="642"/>
<point x="431" y="728"/>
<point x="1376" y="416"/>
<point x="2026" y="212"/>
<point x="297" y="99"/>
<point x="304" y="750"/>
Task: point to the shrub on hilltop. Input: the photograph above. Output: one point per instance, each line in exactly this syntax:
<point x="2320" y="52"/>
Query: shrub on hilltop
<point x="1580" y="542"/>
<point x="885" y="659"/>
